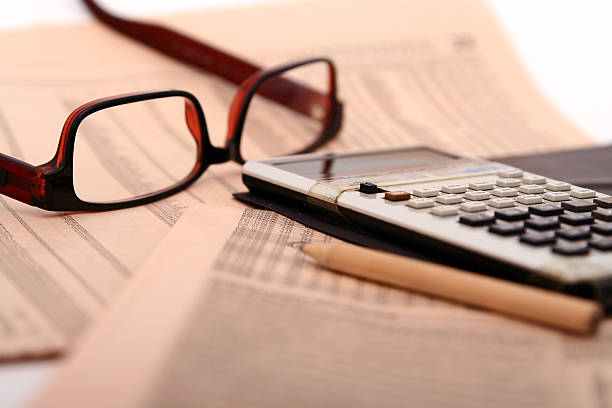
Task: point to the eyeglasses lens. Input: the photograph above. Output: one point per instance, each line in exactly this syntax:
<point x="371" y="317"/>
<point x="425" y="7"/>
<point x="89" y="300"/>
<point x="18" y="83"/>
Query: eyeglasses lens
<point x="283" y="118"/>
<point x="135" y="149"/>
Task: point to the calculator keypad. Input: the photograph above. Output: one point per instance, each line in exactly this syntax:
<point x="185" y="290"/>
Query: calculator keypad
<point x="537" y="212"/>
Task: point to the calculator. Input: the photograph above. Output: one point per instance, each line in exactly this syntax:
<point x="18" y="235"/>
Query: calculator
<point x="516" y="224"/>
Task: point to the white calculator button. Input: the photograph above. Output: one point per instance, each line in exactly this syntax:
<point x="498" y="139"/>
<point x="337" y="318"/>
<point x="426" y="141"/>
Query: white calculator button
<point x="426" y="192"/>
<point x="508" y="182"/>
<point x="504" y="192"/>
<point x="501" y="202"/>
<point x="420" y="202"/>
<point x="558" y="186"/>
<point x="529" y="199"/>
<point x="531" y="189"/>
<point x="477" y="195"/>
<point x="482" y="185"/>
<point x="534" y="179"/>
<point x="455" y="188"/>
<point x="449" y="199"/>
<point x="473" y="207"/>
<point x="513" y="173"/>
<point x="445" y="210"/>
<point x="582" y="193"/>
<point x="557" y="196"/>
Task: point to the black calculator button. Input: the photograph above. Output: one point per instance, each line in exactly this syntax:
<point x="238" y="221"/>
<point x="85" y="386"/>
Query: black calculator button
<point x="543" y="223"/>
<point x="603" y="228"/>
<point x="603" y="214"/>
<point x="368" y="188"/>
<point x="538" y="238"/>
<point x="603" y="202"/>
<point x="507" y="228"/>
<point x="477" y="219"/>
<point x="512" y="214"/>
<point x="603" y="243"/>
<point x="546" y="209"/>
<point x="571" y="248"/>
<point x="574" y="233"/>
<point x="579" y="205"/>
<point x="576" y="218"/>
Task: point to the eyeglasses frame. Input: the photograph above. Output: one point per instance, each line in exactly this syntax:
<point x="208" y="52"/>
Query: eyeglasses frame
<point x="51" y="185"/>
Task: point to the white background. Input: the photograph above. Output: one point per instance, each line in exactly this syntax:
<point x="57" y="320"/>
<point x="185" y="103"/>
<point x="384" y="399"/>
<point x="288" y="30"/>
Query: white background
<point x="565" y="46"/>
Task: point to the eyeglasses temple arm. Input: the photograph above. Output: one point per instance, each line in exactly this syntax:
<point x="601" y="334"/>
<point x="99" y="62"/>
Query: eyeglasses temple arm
<point x="21" y="181"/>
<point x="178" y="46"/>
<point x="198" y="54"/>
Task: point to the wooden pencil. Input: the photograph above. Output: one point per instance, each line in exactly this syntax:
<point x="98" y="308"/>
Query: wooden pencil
<point x="551" y="308"/>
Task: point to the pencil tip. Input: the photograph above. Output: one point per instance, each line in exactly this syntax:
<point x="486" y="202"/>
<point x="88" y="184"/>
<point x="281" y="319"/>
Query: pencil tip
<point x="314" y="250"/>
<point x="298" y="244"/>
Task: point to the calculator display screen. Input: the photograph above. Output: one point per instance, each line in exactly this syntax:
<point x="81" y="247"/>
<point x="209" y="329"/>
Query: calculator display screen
<point x="338" y="166"/>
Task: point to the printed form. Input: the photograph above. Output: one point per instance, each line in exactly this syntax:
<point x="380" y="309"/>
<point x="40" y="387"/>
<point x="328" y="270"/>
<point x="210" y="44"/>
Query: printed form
<point x="413" y="72"/>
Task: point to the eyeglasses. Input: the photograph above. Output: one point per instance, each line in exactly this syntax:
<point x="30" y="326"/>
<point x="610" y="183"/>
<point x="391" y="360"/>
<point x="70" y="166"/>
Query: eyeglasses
<point x="133" y="149"/>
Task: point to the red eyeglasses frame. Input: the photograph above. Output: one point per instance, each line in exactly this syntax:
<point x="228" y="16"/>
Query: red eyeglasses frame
<point x="50" y="185"/>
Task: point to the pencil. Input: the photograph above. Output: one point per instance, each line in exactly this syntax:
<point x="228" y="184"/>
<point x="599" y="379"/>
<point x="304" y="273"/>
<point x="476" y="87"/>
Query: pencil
<point x="550" y="308"/>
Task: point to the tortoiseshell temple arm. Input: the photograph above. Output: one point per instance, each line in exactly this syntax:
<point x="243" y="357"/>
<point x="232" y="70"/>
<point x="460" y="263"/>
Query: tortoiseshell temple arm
<point x="21" y="181"/>
<point x="208" y="58"/>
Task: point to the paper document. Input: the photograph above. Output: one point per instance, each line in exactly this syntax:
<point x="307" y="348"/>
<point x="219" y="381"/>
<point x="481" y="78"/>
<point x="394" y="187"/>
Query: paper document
<point x="413" y="72"/>
<point x="261" y="325"/>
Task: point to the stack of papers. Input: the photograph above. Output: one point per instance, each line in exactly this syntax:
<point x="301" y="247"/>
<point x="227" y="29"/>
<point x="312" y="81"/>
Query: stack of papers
<point x="221" y="308"/>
